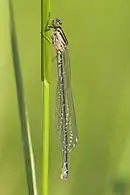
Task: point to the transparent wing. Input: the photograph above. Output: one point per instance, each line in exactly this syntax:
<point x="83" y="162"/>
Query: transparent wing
<point x="72" y="127"/>
<point x="59" y="118"/>
<point x="69" y="106"/>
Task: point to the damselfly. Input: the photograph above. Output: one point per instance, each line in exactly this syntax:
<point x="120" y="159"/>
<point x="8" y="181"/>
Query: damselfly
<point x="66" y="120"/>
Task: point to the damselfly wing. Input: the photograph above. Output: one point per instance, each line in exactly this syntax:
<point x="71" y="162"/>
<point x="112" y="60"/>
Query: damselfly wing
<point x="69" y="106"/>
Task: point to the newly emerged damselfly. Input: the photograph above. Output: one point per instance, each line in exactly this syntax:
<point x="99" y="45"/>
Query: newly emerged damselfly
<point x="65" y="112"/>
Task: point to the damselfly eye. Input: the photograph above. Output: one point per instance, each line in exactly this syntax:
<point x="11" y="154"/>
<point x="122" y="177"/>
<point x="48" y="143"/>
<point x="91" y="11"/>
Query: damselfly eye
<point x="59" y="21"/>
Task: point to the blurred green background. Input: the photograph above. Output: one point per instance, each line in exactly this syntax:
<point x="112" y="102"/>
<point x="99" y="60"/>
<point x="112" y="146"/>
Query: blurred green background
<point x="99" y="46"/>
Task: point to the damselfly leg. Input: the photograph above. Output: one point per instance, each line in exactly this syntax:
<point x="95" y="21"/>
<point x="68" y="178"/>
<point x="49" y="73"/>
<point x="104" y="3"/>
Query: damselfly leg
<point x="47" y="24"/>
<point x="47" y="28"/>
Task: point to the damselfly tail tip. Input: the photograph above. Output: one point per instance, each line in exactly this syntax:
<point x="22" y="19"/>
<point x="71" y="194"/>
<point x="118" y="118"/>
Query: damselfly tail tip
<point x="64" y="176"/>
<point x="64" y="173"/>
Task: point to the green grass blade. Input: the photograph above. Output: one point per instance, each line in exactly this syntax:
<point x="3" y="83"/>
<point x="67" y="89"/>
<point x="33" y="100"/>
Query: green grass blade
<point x="45" y="64"/>
<point x="46" y="99"/>
<point x="25" y="127"/>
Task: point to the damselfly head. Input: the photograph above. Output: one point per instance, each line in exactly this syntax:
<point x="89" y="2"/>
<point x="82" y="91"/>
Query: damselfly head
<point x="55" y="23"/>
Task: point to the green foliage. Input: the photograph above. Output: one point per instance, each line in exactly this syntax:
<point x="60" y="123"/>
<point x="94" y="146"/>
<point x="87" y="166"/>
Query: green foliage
<point x="45" y="62"/>
<point x="23" y="112"/>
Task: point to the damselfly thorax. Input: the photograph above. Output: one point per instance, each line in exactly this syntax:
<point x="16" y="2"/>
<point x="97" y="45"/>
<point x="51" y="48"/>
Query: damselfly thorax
<point x="59" y="40"/>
